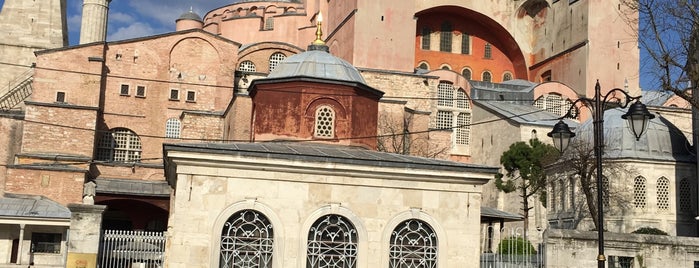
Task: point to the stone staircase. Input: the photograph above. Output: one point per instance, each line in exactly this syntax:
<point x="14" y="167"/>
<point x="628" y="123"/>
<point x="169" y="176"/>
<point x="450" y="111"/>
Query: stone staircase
<point x="20" y="89"/>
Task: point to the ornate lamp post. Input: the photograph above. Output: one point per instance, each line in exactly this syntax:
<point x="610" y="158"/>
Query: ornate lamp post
<point x="638" y="118"/>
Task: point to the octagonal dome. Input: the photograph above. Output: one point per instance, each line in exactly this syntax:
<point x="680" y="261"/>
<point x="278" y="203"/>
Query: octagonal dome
<point x="317" y="64"/>
<point x="662" y="140"/>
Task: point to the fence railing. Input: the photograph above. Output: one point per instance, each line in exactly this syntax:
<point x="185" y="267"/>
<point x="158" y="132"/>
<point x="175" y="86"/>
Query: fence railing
<point x="507" y="248"/>
<point x="131" y="249"/>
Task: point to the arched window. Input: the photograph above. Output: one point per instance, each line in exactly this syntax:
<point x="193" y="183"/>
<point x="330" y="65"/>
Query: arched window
<point x="639" y="192"/>
<point x="685" y="200"/>
<point x="119" y="145"/>
<point x="445" y="37"/>
<point x="453" y="104"/>
<point x="413" y="244"/>
<point x="247" y="240"/>
<point x="506" y="76"/>
<point x="533" y="135"/>
<point x="663" y="193"/>
<point x="553" y="195"/>
<point x="426" y="32"/>
<point x="172" y="128"/>
<point x="423" y="66"/>
<point x="332" y="243"/>
<point x="488" y="51"/>
<point x="553" y="103"/>
<point x="564" y="192"/>
<point x="247" y="66"/>
<point x="446" y="67"/>
<point x="465" y="44"/>
<point x="487" y="77"/>
<point x="275" y="59"/>
<point x="466" y="72"/>
<point x="325" y="122"/>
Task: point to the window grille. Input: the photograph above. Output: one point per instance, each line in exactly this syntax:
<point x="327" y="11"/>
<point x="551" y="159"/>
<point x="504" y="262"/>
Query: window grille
<point x="507" y="77"/>
<point x="174" y="94"/>
<point x="445" y="37"/>
<point x="488" y="51"/>
<point x="119" y="145"/>
<point x="487" y="77"/>
<point x="325" y="122"/>
<point x="247" y="240"/>
<point x="639" y="192"/>
<point x="554" y="104"/>
<point x="445" y="94"/>
<point x="465" y="44"/>
<point x="269" y="23"/>
<point x="124" y="90"/>
<point x="247" y="66"/>
<point x="172" y="128"/>
<point x="413" y="244"/>
<point x="140" y="91"/>
<point x="332" y="243"/>
<point x="564" y="191"/>
<point x="461" y="100"/>
<point x="663" y="193"/>
<point x="463" y="129"/>
<point x="685" y="196"/>
<point x="466" y="73"/>
<point x="426" y="32"/>
<point x="445" y="119"/>
<point x="275" y="59"/>
<point x="191" y="96"/>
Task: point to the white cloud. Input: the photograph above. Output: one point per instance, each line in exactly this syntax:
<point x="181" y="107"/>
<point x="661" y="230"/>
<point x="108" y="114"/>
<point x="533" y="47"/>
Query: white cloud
<point x="132" y="31"/>
<point x="119" y="17"/>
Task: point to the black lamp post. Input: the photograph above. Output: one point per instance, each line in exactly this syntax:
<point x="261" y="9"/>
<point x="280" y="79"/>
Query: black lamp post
<point x="638" y="118"/>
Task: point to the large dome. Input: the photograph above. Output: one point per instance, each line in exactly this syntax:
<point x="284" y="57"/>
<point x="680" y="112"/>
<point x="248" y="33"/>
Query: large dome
<point x="317" y="64"/>
<point x="662" y="140"/>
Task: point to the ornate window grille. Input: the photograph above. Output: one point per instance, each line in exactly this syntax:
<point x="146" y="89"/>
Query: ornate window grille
<point x="332" y="243"/>
<point x="413" y="245"/>
<point x="506" y="77"/>
<point x="445" y="94"/>
<point x="639" y="192"/>
<point x="247" y="66"/>
<point x="275" y="59"/>
<point x="325" y="122"/>
<point x="605" y="192"/>
<point x="119" y="145"/>
<point x="172" y="128"/>
<point x="463" y="128"/>
<point x="445" y="37"/>
<point x="487" y="77"/>
<point x="553" y="103"/>
<point x="247" y="241"/>
<point x="685" y="202"/>
<point x="466" y="73"/>
<point x="663" y="193"/>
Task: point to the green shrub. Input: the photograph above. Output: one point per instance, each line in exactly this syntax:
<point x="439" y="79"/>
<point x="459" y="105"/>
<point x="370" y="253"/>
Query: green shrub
<point x="649" y="230"/>
<point x="516" y="246"/>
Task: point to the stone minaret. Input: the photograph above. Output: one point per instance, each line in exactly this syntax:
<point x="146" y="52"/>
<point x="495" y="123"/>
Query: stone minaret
<point x="94" y="21"/>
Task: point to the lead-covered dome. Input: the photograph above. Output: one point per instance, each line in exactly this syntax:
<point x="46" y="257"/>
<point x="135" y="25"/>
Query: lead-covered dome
<point x="317" y="64"/>
<point x="662" y="140"/>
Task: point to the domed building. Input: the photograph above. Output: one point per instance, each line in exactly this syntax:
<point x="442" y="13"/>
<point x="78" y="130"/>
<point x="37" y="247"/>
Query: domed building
<point x="648" y="182"/>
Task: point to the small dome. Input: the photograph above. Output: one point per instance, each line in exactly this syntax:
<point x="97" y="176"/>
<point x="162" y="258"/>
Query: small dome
<point x="317" y="64"/>
<point x="661" y="141"/>
<point x="189" y="15"/>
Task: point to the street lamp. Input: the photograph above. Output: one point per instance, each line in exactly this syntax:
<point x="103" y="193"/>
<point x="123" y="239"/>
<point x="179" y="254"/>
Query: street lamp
<point x="638" y="118"/>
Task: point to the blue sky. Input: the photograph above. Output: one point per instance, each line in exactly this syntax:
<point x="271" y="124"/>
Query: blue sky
<point x="137" y="18"/>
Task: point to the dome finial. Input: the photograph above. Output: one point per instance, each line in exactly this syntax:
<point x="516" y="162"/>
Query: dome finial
<point x="319" y="33"/>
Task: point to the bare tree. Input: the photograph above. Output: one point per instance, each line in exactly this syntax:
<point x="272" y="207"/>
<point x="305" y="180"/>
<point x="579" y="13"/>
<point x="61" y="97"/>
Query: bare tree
<point x="577" y="164"/>
<point x="669" y="32"/>
<point x="397" y="135"/>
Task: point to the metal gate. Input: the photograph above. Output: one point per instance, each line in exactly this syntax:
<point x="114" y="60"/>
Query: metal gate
<point x="131" y="249"/>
